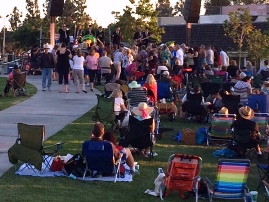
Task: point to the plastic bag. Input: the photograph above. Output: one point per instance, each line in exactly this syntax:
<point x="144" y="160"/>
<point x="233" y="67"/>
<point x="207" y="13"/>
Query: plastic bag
<point x="201" y="135"/>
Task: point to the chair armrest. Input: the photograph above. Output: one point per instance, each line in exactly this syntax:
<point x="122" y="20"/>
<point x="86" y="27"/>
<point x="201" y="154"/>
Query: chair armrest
<point x="208" y="181"/>
<point x="117" y="161"/>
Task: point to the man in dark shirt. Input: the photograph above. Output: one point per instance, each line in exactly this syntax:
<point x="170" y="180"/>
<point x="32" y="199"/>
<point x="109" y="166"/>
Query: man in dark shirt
<point x="47" y="65"/>
<point x="117" y="37"/>
<point x="64" y="35"/>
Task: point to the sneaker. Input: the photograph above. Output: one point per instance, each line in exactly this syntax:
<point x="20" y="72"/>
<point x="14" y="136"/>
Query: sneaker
<point x="92" y="90"/>
<point x="134" y="172"/>
<point x="43" y="89"/>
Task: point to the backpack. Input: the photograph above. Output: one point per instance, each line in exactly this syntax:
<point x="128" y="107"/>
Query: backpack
<point x="201" y="135"/>
<point x="75" y="166"/>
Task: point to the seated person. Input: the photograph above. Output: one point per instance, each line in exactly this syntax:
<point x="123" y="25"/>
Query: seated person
<point x="215" y="67"/>
<point x="142" y="112"/>
<point x="214" y="99"/>
<point x="265" y="88"/>
<point x="130" y="70"/>
<point x="244" y="82"/>
<point x="119" y="106"/>
<point x="136" y="94"/>
<point x="97" y="135"/>
<point x="166" y="78"/>
<point x="16" y="70"/>
<point x="161" y="68"/>
<point x="208" y="71"/>
<point x="151" y="85"/>
<point x="243" y="122"/>
<point x="196" y="90"/>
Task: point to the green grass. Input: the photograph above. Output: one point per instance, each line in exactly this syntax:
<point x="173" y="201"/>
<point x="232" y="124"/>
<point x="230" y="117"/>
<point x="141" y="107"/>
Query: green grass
<point x="23" y="188"/>
<point x="9" y="101"/>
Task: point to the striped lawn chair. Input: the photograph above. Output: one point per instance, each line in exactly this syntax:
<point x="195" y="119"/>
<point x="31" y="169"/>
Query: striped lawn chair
<point x="231" y="180"/>
<point x="220" y="128"/>
<point x="262" y="120"/>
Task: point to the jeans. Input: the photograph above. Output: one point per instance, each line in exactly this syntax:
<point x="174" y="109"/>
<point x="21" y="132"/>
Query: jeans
<point x="46" y="73"/>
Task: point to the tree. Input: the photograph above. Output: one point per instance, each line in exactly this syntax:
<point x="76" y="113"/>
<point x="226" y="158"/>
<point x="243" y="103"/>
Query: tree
<point x="164" y="8"/>
<point x="238" y="28"/>
<point x="15" y="19"/>
<point x="257" y="45"/>
<point x="178" y="8"/>
<point x="148" y="17"/>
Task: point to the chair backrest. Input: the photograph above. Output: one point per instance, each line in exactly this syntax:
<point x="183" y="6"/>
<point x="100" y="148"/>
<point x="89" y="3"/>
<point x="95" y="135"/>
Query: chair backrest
<point x="221" y="125"/>
<point x="163" y="90"/>
<point x="19" y="80"/>
<point x="242" y="136"/>
<point x="218" y="79"/>
<point x="232" y="175"/>
<point x="98" y="155"/>
<point x="231" y="103"/>
<point x="31" y="136"/>
<point x="243" y="92"/>
<point x="182" y="170"/>
<point x="264" y="74"/>
<point x="105" y="109"/>
<point x="209" y="87"/>
<point x="136" y="96"/>
<point x="259" y="101"/>
<point x="194" y="99"/>
<point x="262" y="120"/>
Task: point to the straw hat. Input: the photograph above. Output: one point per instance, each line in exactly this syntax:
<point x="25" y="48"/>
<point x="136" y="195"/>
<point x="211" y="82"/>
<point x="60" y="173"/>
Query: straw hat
<point x="242" y="75"/>
<point x="134" y="84"/>
<point x="246" y="112"/>
<point x="142" y="110"/>
<point x="46" y="46"/>
<point x="224" y="110"/>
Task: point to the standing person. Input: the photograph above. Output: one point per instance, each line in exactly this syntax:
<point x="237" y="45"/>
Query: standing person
<point x="180" y="53"/>
<point x="88" y="31"/>
<point x="34" y="59"/>
<point x="53" y="52"/>
<point x="201" y="59"/>
<point x="127" y="59"/>
<point x="78" y="71"/>
<point x="100" y="35"/>
<point x="224" y="58"/>
<point x="117" y="62"/>
<point x="64" y="34"/>
<point x="209" y="56"/>
<point x="47" y="65"/>
<point x="138" y="35"/>
<point x="104" y="63"/>
<point x="78" y="33"/>
<point x="92" y="64"/>
<point x="63" y="66"/>
<point x="146" y="37"/>
<point x="117" y="37"/>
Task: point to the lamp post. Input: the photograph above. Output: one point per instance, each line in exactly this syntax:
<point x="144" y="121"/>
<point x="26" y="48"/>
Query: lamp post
<point x="4" y="38"/>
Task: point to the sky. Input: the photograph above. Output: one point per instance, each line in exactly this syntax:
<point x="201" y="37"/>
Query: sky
<point x="94" y="8"/>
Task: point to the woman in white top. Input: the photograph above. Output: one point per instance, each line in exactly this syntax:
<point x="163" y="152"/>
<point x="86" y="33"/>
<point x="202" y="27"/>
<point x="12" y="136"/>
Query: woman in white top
<point x="117" y="62"/>
<point x="78" y="71"/>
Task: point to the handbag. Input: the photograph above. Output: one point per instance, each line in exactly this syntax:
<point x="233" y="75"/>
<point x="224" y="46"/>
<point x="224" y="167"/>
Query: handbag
<point x="57" y="164"/>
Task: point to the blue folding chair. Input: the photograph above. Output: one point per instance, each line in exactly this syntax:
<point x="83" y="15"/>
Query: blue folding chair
<point x="100" y="158"/>
<point x="164" y="90"/>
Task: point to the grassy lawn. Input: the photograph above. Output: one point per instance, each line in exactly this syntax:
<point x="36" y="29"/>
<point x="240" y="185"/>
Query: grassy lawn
<point x="9" y="101"/>
<point x="21" y="188"/>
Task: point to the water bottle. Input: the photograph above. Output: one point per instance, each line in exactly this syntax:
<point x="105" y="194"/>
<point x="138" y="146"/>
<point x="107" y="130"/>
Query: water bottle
<point x="72" y="176"/>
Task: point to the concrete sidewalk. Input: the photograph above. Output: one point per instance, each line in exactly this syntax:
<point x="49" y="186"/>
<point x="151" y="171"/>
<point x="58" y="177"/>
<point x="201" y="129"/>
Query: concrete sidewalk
<point x="50" y="108"/>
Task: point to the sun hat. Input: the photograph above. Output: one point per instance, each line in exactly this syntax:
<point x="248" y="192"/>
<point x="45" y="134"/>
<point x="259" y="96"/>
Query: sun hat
<point x="134" y="84"/>
<point x="166" y="73"/>
<point x="246" y="112"/>
<point x="242" y="75"/>
<point x="142" y="110"/>
<point x="46" y="46"/>
<point x="224" y="110"/>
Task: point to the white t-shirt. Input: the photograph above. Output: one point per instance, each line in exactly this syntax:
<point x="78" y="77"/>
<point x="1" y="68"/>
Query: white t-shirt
<point x="78" y="62"/>
<point x="225" y="58"/>
<point x="180" y="56"/>
<point x="117" y="105"/>
<point x="161" y="68"/>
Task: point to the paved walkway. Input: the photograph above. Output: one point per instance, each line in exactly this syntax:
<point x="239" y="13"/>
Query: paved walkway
<point x="50" y="108"/>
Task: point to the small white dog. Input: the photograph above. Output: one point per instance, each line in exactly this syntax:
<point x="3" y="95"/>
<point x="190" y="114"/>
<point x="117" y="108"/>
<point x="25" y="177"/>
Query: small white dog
<point x="159" y="185"/>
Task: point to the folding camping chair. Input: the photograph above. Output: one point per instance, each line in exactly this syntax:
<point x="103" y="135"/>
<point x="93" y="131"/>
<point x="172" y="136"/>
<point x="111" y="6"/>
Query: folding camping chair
<point x="164" y="90"/>
<point x="104" y="112"/>
<point x="30" y="150"/>
<point x="220" y="129"/>
<point x="139" y="134"/>
<point x="231" y="180"/>
<point x="262" y="120"/>
<point x="209" y="87"/>
<point x="263" y="171"/>
<point x="100" y="159"/>
<point x="231" y="102"/>
<point x="183" y="175"/>
<point x="109" y="87"/>
<point x="19" y="84"/>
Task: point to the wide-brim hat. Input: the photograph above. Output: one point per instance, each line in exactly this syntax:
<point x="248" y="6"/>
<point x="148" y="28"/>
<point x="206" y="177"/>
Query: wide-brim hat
<point x="224" y="110"/>
<point x="142" y="109"/>
<point x="246" y="112"/>
<point x="134" y="84"/>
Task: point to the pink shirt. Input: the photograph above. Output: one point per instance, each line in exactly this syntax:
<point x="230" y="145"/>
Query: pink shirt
<point x="91" y="62"/>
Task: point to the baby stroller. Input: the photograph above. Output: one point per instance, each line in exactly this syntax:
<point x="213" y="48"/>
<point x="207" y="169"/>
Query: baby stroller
<point x="183" y="175"/>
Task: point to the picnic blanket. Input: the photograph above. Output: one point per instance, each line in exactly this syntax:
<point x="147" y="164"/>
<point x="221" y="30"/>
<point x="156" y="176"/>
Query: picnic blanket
<point x="25" y="171"/>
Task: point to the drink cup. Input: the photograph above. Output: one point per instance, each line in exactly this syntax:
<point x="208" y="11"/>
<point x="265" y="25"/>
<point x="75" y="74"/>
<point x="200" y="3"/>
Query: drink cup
<point x="137" y="167"/>
<point x="254" y="196"/>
